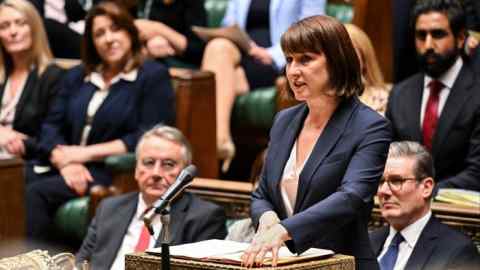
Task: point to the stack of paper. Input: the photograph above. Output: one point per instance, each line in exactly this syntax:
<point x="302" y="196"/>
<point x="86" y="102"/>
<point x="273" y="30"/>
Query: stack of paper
<point x="459" y="196"/>
<point x="230" y="252"/>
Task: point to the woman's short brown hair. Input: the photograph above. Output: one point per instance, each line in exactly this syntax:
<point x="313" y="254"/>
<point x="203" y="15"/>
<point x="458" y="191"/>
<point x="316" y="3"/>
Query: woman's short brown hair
<point x="120" y="16"/>
<point x="324" y="34"/>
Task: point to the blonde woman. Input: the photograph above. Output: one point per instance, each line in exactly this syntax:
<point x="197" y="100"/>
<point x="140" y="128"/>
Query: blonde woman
<point x="28" y="79"/>
<point x="376" y="91"/>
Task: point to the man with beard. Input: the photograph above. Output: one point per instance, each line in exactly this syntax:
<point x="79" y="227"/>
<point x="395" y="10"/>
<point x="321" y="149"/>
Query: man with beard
<point x="440" y="106"/>
<point x="415" y="239"/>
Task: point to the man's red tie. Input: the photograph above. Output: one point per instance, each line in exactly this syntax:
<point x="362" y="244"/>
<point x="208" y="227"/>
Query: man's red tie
<point x="430" y="118"/>
<point x="143" y="240"/>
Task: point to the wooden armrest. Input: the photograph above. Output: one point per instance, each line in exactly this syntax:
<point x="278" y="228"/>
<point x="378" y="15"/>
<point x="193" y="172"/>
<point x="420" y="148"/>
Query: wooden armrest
<point x="195" y="106"/>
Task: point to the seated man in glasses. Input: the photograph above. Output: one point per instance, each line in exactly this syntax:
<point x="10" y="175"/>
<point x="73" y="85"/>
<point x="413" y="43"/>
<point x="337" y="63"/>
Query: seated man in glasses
<point x="118" y="228"/>
<point x="415" y="239"/>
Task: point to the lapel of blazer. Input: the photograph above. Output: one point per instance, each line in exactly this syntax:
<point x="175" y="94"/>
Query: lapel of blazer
<point x="413" y="99"/>
<point x="282" y="152"/>
<point x="424" y="247"/>
<point x="30" y="85"/>
<point x="329" y="137"/>
<point x="105" y="108"/>
<point x="458" y="96"/>
<point x="119" y="226"/>
<point x="81" y="100"/>
<point x="177" y="216"/>
<point x="2" y="90"/>
<point x="378" y="239"/>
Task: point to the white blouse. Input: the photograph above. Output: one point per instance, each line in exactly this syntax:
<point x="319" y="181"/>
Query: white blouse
<point x="290" y="178"/>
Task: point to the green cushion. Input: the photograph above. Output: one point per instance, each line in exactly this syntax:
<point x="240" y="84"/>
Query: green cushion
<point x="255" y="109"/>
<point x="215" y="11"/>
<point x="342" y="12"/>
<point x="71" y="218"/>
<point x="121" y="163"/>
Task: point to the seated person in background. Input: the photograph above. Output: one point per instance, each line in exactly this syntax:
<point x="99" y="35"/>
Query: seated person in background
<point x="28" y="78"/>
<point x="235" y="71"/>
<point x="166" y="28"/>
<point x="440" y="106"/>
<point x="118" y="227"/>
<point x="102" y="109"/>
<point x="64" y="30"/>
<point x="415" y="239"/>
<point x="376" y="91"/>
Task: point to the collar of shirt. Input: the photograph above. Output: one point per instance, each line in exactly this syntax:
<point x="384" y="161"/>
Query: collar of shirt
<point x="141" y="207"/>
<point x="96" y="78"/>
<point x="412" y="232"/>
<point x="449" y="77"/>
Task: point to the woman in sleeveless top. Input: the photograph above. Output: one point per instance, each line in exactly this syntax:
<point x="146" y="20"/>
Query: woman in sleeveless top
<point x="376" y="90"/>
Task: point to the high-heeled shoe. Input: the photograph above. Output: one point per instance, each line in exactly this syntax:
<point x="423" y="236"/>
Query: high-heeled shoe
<point x="226" y="152"/>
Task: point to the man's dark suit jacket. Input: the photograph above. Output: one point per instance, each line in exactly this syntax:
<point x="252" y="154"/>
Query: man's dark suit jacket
<point x="337" y="184"/>
<point x="438" y="247"/>
<point x="456" y="142"/>
<point x="192" y="219"/>
<point x="32" y="107"/>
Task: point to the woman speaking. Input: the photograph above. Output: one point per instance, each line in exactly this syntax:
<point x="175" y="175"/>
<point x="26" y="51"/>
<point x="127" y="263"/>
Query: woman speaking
<point x="325" y="155"/>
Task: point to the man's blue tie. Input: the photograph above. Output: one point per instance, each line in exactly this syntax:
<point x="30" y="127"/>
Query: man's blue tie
<point x="387" y="262"/>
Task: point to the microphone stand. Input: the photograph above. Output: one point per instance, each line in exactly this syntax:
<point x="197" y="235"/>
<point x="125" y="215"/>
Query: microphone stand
<point x="165" y="238"/>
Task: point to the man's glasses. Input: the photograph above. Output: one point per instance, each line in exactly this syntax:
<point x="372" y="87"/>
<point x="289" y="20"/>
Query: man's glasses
<point x="165" y="164"/>
<point x="395" y="183"/>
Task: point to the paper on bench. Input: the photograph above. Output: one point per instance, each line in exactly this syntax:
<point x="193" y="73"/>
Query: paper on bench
<point x="231" y="252"/>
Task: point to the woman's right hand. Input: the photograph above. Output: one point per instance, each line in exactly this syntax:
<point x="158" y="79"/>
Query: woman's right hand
<point x="267" y="220"/>
<point x="158" y="47"/>
<point x="76" y="177"/>
<point x="12" y="141"/>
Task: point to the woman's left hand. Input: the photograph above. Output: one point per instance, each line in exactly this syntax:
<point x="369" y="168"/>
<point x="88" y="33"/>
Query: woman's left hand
<point x="67" y="154"/>
<point x="260" y="54"/>
<point x="264" y="242"/>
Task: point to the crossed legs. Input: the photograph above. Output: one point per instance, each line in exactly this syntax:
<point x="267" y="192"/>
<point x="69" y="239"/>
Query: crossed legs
<point x="223" y="58"/>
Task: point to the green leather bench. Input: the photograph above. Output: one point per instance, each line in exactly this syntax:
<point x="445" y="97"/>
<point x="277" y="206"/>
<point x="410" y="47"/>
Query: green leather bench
<point x="254" y="110"/>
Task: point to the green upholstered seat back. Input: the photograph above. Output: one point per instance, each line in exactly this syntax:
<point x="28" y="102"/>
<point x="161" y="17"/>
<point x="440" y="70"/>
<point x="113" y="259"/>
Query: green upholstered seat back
<point x="343" y="12"/>
<point x="215" y="11"/>
<point x="255" y="109"/>
<point x="71" y="218"/>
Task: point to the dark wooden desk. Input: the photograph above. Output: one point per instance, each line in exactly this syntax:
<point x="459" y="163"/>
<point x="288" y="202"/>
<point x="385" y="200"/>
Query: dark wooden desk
<point x="12" y="207"/>
<point x="142" y="261"/>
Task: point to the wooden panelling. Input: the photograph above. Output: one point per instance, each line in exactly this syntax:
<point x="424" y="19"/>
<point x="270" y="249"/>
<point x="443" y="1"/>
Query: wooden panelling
<point x="12" y="207"/>
<point x="375" y="18"/>
<point x="195" y="101"/>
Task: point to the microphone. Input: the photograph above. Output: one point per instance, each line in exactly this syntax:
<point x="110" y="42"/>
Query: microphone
<point x="183" y="180"/>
